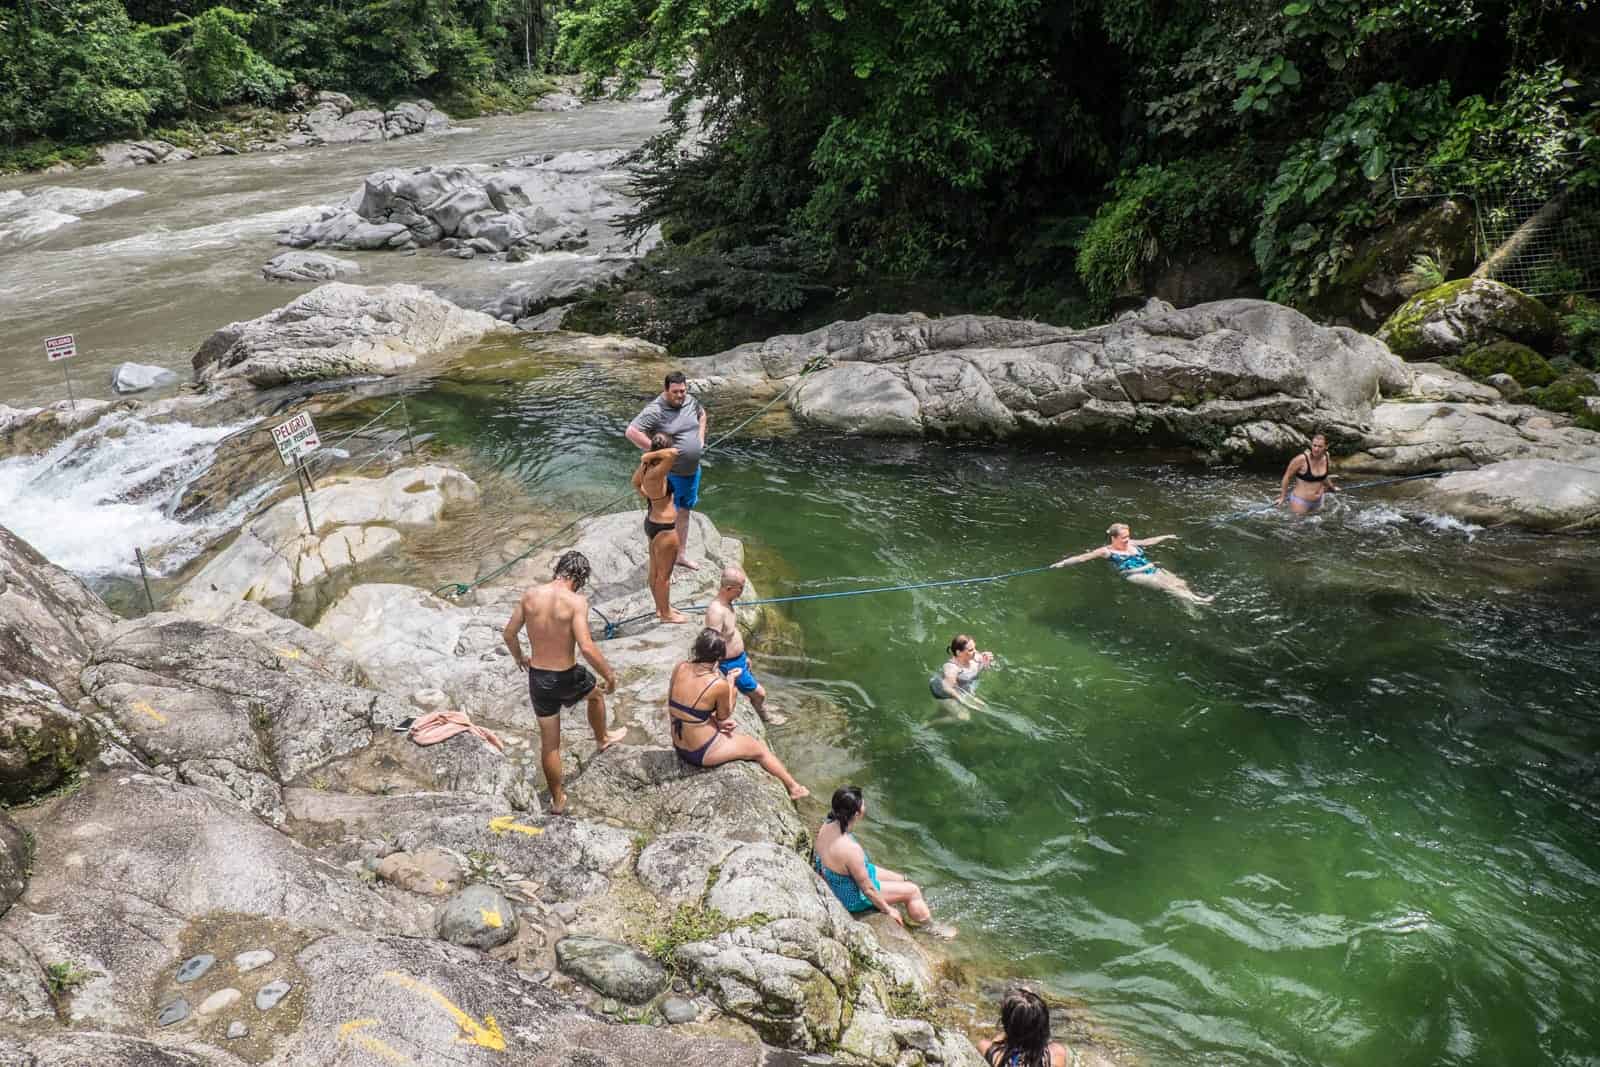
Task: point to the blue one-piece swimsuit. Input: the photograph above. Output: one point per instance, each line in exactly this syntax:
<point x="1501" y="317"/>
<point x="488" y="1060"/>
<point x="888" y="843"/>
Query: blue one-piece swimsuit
<point x="844" y="886"/>
<point x="1130" y="563"/>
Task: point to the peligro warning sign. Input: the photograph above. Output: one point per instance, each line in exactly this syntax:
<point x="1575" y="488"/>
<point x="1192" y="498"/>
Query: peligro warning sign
<point x="62" y="347"/>
<point x="296" y="438"/>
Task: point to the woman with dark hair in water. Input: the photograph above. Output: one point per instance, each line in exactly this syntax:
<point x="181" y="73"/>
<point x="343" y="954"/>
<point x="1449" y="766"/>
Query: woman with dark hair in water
<point x="856" y="882"/>
<point x="700" y="701"/>
<point x="660" y="519"/>
<point x="958" y="679"/>
<point x="1024" y="1039"/>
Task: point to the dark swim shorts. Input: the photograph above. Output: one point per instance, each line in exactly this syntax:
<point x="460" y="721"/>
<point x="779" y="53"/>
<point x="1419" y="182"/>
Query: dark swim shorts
<point x="553" y="690"/>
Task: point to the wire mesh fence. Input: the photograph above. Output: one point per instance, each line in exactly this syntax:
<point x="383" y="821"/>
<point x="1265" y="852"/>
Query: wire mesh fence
<point x="1535" y="230"/>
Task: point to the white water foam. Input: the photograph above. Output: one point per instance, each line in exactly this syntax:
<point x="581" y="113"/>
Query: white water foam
<point x="88" y="502"/>
<point x="214" y="235"/>
<point x="25" y="215"/>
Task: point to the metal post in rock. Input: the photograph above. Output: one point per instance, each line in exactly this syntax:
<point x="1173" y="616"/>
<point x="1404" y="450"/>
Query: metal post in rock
<point x="303" y="479"/>
<point x="138" y="554"/>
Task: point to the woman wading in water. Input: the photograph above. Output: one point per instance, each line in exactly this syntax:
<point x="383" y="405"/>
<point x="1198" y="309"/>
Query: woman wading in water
<point x="1127" y="556"/>
<point x="1024" y="1039"/>
<point x="660" y="522"/>
<point x="1311" y="472"/>
<point x="957" y="680"/>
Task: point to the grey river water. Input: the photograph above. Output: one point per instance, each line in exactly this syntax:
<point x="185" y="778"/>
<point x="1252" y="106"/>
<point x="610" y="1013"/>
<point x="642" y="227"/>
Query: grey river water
<point x="148" y="277"/>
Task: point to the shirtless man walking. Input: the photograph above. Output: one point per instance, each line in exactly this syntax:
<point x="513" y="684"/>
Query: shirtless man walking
<point x="556" y="617"/>
<point x="721" y="617"/>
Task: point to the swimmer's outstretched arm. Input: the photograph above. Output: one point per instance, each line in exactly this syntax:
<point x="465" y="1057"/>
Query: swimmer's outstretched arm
<point x="1141" y="542"/>
<point x="1082" y="557"/>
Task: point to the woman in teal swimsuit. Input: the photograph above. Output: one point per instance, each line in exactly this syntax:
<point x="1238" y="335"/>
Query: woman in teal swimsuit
<point x="1312" y="474"/>
<point x="700" y="701"/>
<point x="856" y="882"/>
<point x="1127" y="556"/>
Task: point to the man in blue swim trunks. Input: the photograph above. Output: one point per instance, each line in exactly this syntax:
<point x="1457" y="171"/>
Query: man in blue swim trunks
<point x="721" y="617"/>
<point x="679" y="416"/>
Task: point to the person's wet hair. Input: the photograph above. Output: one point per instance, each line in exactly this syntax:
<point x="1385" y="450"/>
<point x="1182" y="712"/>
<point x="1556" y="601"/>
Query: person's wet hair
<point x="677" y="377"/>
<point x="573" y="565"/>
<point x="1025" y="1021"/>
<point x="1111" y="531"/>
<point x="658" y="441"/>
<point x="708" y="647"/>
<point x="959" y="643"/>
<point x="846" y="804"/>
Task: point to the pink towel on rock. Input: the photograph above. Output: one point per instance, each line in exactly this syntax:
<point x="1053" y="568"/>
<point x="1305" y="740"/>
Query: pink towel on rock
<point x="438" y="726"/>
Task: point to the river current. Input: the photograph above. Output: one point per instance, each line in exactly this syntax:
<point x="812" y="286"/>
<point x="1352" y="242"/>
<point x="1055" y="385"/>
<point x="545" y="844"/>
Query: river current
<point x="1348" y="814"/>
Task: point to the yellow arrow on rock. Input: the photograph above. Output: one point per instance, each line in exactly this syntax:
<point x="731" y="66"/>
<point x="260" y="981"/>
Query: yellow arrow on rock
<point x="502" y="823"/>
<point x="288" y="653"/>
<point x="351" y="1031"/>
<point x="485" y="1035"/>
<point x="144" y="708"/>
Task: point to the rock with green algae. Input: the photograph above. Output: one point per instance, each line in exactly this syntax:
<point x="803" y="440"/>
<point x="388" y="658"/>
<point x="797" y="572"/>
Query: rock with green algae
<point x="1525" y="365"/>
<point x="1566" y="394"/>
<point x="1469" y="313"/>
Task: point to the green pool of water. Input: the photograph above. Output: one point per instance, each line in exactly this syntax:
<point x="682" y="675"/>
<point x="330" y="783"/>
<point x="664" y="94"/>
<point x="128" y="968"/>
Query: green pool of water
<point x="1345" y="816"/>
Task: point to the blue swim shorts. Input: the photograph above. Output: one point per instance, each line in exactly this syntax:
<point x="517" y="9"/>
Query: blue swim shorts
<point x="746" y="682"/>
<point x="685" y="489"/>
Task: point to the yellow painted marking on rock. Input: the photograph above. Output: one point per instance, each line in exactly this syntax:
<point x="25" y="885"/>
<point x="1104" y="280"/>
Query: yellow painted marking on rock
<point x="145" y="709"/>
<point x="491" y="917"/>
<point x="351" y="1031"/>
<point x="485" y="1035"/>
<point x="288" y="653"/>
<point x="503" y="823"/>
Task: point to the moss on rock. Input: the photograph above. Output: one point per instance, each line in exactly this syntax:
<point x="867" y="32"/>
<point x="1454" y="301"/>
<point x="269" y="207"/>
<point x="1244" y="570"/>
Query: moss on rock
<point x="1528" y="367"/>
<point x="1465" y="314"/>
<point x="1566" y="394"/>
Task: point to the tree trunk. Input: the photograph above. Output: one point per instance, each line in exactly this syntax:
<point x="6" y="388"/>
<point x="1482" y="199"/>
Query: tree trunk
<point x="1514" y="244"/>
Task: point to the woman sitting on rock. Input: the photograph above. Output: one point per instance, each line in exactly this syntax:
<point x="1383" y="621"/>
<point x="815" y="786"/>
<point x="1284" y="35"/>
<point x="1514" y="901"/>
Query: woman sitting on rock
<point x="856" y="882"/>
<point x="660" y="522"/>
<point x="1127" y="556"/>
<point x="700" y="703"/>
<point x="1024" y="1039"/>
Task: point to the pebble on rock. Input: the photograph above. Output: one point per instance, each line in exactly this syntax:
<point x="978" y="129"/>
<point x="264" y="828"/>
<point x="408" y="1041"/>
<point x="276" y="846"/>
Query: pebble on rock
<point x="236" y="1030"/>
<point x="249" y="961"/>
<point x="195" y="967"/>
<point x="268" y="996"/>
<point x="678" y="1010"/>
<point x="222" y="998"/>
<point x="175" y="1012"/>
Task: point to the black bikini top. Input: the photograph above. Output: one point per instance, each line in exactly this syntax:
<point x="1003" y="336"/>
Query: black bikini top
<point x="1307" y="476"/>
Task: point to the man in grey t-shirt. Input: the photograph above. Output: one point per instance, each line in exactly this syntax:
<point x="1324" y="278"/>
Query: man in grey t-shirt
<point x="679" y="416"/>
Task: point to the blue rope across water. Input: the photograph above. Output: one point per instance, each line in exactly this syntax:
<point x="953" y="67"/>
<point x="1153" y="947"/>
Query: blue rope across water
<point x="611" y="628"/>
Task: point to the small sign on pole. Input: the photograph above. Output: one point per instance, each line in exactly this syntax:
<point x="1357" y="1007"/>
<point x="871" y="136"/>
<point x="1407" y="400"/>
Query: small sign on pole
<point x="63" y="346"/>
<point x="296" y="439"/>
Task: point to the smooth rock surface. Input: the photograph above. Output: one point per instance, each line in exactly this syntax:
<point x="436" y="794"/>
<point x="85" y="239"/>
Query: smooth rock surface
<point x="138" y="377"/>
<point x="479" y="916"/>
<point x="308" y="267"/>
<point x="613" y="969"/>
<point x="1537" y="493"/>
<point x="339" y="330"/>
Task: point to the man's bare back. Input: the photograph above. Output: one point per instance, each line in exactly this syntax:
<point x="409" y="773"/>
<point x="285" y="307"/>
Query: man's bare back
<point x="552" y="615"/>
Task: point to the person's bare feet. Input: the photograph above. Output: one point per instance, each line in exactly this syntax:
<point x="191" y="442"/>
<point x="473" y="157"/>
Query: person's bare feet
<point x="558" y="805"/>
<point x="676" y="616"/>
<point x="799" y="792"/>
<point x="773" y="718"/>
<point x="610" y="739"/>
<point x="686" y="563"/>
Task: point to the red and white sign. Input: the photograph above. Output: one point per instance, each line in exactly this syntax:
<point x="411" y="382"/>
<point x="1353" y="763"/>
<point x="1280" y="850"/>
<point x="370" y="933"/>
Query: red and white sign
<point x="61" y="347"/>
<point x="296" y="438"/>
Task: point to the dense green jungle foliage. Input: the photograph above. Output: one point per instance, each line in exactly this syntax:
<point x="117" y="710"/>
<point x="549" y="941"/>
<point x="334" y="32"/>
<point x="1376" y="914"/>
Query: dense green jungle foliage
<point x="1003" y="147"/>
<point x="76" y="71"/>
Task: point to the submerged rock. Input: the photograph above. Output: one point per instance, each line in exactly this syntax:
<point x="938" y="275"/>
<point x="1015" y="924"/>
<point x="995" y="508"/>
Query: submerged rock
<point x="308" y="267"/>
<point x="137" y="377"/>
<point x="338" y="331"/>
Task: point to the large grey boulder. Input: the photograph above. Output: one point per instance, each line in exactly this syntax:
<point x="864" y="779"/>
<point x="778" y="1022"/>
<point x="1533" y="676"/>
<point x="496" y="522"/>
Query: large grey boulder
<point x="138" y="377"/>
<point x="141" y="153"/>
<point x="1412" y="438"/>
<point x="1236" y="376"/>
<point x="1454" y="318"/>
<point x="339" y="330"/>
<point x="225" y="713"/>
<point x="308" y="267"/>
<point x="522" y="206"/>
<point x="1540" y="494"/>
<point x="610" y="968"/>
<point x="274" y="558"/>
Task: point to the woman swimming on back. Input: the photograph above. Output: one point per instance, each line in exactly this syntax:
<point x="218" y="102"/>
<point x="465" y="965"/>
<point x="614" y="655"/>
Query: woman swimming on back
<point x="1312" y="474"/>
<point x="1024" y="1039"/>
<point x="700" y="701"/>
<point x="1127" y="556"/>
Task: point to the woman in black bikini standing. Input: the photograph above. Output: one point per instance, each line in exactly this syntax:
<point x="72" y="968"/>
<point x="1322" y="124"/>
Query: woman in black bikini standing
<point x="1311" y="473"/>
<point x="700" y="702"/>
<point x="659" y="522"/>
